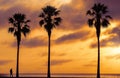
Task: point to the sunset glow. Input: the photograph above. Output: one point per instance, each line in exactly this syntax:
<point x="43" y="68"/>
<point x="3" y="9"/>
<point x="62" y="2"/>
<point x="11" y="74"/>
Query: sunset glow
<point x="73" y="42"/>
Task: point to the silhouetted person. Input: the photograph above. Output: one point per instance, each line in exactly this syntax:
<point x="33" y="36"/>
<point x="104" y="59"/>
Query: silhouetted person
<point x="11" y="73"/>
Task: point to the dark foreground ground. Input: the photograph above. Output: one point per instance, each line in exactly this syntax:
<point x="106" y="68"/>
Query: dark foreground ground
<point x="46" y="77"/>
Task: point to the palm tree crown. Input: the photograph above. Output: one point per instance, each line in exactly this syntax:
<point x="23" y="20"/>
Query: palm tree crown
<point x="98" y="16"/>
<point x="50" y="18"/>
<point x="19" y="25"/>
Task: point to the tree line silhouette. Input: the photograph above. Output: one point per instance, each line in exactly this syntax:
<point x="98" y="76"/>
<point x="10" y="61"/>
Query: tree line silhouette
<point x="49" y="19"/>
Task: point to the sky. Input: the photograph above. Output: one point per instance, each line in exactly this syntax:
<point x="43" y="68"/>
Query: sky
<point x="73" y="42"/>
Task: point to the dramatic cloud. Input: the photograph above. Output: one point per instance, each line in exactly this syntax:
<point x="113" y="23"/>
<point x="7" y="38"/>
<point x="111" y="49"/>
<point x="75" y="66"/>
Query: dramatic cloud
<point x="5" y="14"/>
<point x="77" y="14"/>
<point x="73" y="30"/>
<point x="33" y="42"/>
<point x="113" y="9"/>
<point x="72" y="36"/>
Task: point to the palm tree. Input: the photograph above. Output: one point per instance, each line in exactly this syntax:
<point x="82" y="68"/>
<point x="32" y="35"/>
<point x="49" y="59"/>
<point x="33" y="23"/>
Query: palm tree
<point x="19" y="27"/>
<point x="49" y="19"/>
<point x="98" y="18"/>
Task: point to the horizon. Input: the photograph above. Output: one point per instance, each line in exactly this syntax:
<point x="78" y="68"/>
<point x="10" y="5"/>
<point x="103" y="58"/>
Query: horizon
<point x="73" y="42"/>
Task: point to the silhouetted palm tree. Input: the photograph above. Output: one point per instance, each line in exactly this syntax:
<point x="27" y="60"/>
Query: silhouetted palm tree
<point x="19" y="26"/>
<point x="49" y="19"/>
<point x="98" y="19"/>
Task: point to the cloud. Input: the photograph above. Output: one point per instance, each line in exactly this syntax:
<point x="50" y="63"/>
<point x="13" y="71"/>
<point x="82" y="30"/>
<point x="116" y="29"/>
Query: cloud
<point x="59" y="62"/>
<point x="113" y="40"/>
<point x="72" y="36"/>
<point x="5" y="14"/>
<point x="110" y="42"/>
<point x="4" y="62"/>
<point x="117" y="57"/>
<point x="31" y="43"/>
<point x="74" y="14"/>
<point x="113" y="6"/>
<point x="53" y="54"/>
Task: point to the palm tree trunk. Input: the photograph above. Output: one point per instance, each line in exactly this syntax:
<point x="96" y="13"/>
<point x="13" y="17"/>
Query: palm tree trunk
<point x="17" y="66"/>
<point x="98" y="66"/>
<point x="48" y="75"/>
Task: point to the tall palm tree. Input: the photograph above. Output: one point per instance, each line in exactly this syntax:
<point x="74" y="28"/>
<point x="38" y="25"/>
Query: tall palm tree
<point x="49" y="19"/>
<point x="19" y="27"/>
<point x="98" y="18"/>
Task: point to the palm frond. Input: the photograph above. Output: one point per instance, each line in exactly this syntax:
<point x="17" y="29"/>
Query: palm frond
<point x="14" y="24"/>
<point x="22" y="17"/>
<point x="16" y="33"/>
<point x="16" y="17"/>
<point x="25" y="30"/>
<point x="49" y="10"/>
<point x="19" y="17"/>
<point x="104" y="9"/>
<point x="11" y="20"/>
<point x="91" y="13"/>
<point x="41" y="22"/>
<point x="88" y="12"/>
<point x="105" y="23"/>
<point x="58" y="19"/>
<point x="56" y="12"/>
<point x="26" y="21"/>
<point x="90" y="22"/>
<point x="95" y="8"/>
<point x="108" y="16"/>
<point x="56" y="24"/>
<point x="42" y="15"/>
<point x="11" y="30"/>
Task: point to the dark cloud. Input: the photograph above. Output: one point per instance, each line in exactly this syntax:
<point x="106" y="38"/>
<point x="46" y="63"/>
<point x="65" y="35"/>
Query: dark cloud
<point x="73" y="21"/>
<point x="117" y="57"/>
<point x="4" y="62"/>
<point x="31" y="43"/>
<point x="31" y="15"/>
<point x="59" y="62"/>
<point x="113" y="6"/>
<point x="5" y="14"/>
<point x="72" y="36"/>
<point x="6" y="2"/>
<point x="74" y="16"/>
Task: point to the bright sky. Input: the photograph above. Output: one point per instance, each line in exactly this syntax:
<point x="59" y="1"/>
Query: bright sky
<point x="73" y="43"/>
